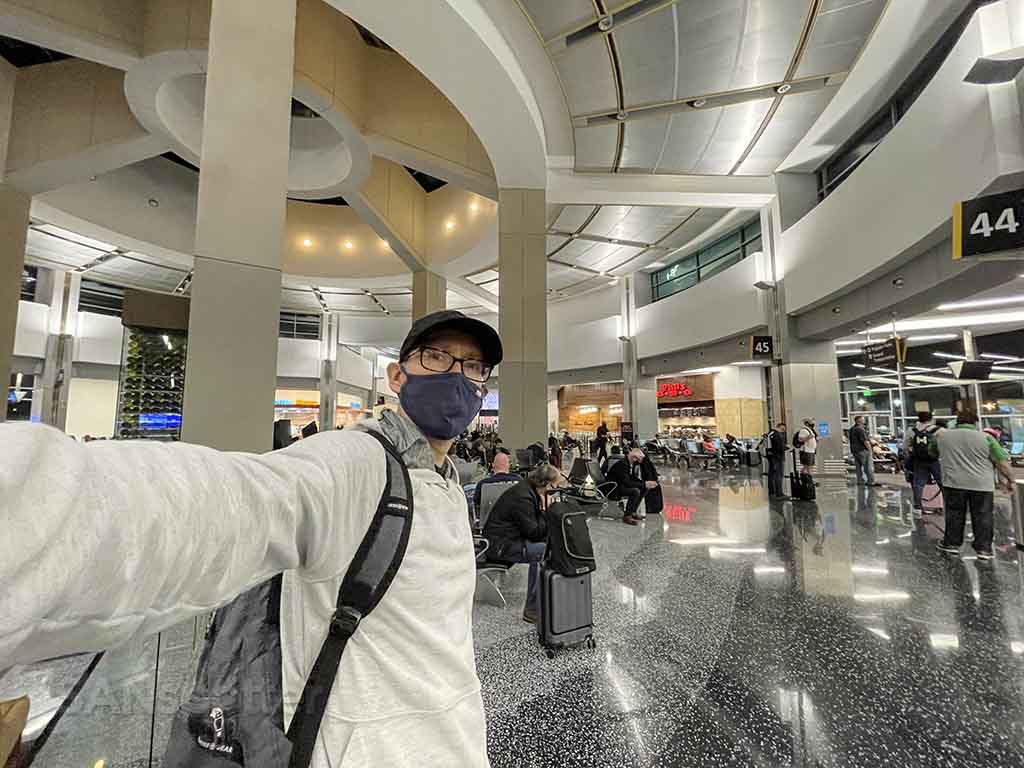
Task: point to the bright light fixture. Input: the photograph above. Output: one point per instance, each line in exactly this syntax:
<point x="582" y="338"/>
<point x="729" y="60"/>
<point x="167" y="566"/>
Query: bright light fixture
<point x="948" y="356"/>
<point x="307" y="243"/>
<point x="859" y="365"/>
<point x="1005" y="358"/>
<point x="698" y="371"/>
<point x="871" y="569"/>
<point x="849" y="343"/>
<point x="847" y="352"/>
<point x="873" y="597"/>
<point x="951" y="321"/>
<point x="934" y="337"/>
<point x="348" y="245"/>
<point x="974" y="304"/>
<point x="749" y="363"/>
<point x="449" y="225"/>
<point x="474" y="206"/>
<point x="167" y="341"/>
<point x="762" y="569"/>
<point x="1004" y="369"/>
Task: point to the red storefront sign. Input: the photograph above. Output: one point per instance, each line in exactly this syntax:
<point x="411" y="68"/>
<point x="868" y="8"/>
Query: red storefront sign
<point x="674" y="389"/>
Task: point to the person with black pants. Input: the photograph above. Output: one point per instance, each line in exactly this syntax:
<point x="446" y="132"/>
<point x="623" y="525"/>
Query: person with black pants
<point x="601" y="442"/>
<point x="776" y="459"/>
<point x="630" y="485"/>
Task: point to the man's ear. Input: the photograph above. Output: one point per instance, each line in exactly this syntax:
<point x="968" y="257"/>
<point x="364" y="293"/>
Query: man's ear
<point x="396" y="377"/>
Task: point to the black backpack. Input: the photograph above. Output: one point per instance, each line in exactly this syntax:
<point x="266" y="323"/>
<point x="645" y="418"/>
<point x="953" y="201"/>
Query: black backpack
<point x="919" y="446"/>
<point x="570" y="551"/>
<point x="235" y="715"/>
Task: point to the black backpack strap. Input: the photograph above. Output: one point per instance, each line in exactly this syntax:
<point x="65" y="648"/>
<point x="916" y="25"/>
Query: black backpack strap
<point x="368" y="577"/>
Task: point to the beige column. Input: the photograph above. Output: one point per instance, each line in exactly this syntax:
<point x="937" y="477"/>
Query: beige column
<point x="13" y="229"/>
<point x="523" y="316"/>
<point x="429" y="293"/>
<point x="231" y="369"/>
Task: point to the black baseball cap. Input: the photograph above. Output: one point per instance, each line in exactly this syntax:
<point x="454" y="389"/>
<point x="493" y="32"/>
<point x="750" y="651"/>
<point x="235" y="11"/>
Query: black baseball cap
<point x="486" y="337"/>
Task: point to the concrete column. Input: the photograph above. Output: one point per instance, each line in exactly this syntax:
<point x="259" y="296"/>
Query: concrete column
<point x="330" y="332"/>
<point x="13" y="230"/>
<point x="429" y="293"/>
<point x="62" y="327"/>
<point x="639" y="393"/>
<point x="523" y="316"/>
<point x="231" y="368"/>
<point x="805" y="382"/>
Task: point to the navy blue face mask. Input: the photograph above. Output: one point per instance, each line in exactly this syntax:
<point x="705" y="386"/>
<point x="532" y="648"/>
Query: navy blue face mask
<point x="441" y="405"/>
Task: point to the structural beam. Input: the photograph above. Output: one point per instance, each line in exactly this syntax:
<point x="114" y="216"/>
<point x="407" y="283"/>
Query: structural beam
<point x="469" y="290"/>
<point x="571" y="188"/>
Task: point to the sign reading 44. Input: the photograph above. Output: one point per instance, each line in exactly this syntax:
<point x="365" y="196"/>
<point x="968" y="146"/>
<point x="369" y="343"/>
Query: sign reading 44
<point x="990" y="224"/>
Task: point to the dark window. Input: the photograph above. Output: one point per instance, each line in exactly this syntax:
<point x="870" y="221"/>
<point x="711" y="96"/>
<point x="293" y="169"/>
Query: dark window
<point x="101" y="299"/>
<point x="720" y="255"/>
<point x="293" y="325"/>
<point x="29" y="280"/>
<point x="845" y="161"/>
<point x="19" y="397"/>
<point x="21" y="54"/>
<point x="425" y="180"/>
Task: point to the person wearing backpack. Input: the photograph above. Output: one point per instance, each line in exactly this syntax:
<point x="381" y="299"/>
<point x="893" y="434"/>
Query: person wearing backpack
<point x="108" y="543"/>
<point x="806" y="442"/>
<point x="918" y="445"/>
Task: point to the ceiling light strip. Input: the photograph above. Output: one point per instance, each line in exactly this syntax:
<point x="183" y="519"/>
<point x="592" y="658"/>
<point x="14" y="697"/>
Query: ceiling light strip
<point x="185" y="284"/>
<point x="620" y="17"/>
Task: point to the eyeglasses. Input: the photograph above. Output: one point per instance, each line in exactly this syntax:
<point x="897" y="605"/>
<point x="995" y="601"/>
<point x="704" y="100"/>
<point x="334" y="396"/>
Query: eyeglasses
<point x="439" y="361"/>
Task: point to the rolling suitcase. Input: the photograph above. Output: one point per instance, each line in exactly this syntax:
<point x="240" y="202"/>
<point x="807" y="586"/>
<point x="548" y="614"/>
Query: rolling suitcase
<point x="566" y="611"/>
<point x="801" y="484"/>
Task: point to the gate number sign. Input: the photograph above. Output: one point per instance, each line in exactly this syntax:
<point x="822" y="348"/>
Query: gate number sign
<point x="990" y="224"/>
<point x="761" y="348"/>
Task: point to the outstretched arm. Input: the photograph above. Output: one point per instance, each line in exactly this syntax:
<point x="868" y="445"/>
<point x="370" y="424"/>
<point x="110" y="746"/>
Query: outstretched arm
<point x="112" y="540"/>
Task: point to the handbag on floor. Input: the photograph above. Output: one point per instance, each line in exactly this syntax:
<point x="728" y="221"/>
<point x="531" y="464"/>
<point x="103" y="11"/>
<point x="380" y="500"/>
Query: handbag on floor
<point x="931" y="499"/>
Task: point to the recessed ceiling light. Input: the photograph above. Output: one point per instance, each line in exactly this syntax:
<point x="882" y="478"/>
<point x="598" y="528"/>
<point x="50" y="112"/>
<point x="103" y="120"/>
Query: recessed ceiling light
<point x="622" y="115"/>
<point x="154" y="203"/>
<point x="784" y="88"/>
<point x="307" y="243"/>
<point x="385" y="243"/>
<point x="836" y="310"/>
<point x="698" y="103"/>
<point x="348" y="245"/>
<point x="899" y="282"/>
<point x="474" y="206"/>
<point x="449" y="225"/>
<point x="605" y="23"/>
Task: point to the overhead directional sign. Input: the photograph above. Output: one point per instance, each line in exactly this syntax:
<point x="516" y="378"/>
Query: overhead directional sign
<point x="887" y="353"/>
<point x="988" y="225"/>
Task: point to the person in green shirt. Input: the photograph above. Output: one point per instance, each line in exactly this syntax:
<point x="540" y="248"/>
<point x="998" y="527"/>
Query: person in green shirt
<point x="969" y="460"/>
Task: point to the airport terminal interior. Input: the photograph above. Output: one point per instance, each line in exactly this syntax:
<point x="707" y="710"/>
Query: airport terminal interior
<point x="734" y="235"/>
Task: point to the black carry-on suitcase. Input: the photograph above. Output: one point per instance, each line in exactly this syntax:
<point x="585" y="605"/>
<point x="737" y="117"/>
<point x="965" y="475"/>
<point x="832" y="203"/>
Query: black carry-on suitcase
<point x="565" y="595"/>
<point x="801" y="483"/>
<point x="566" y="611"/>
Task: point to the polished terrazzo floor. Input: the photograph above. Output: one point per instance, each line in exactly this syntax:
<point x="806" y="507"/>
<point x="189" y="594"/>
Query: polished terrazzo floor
<point x="731" y="632"/>
<point x="737" y="632"/>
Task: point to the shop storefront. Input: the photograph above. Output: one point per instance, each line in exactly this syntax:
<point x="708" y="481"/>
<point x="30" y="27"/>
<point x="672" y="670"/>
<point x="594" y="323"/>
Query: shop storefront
<point x="582" y="408"/>
<point x="302" y="407"/>
<point x="686" y="404"/>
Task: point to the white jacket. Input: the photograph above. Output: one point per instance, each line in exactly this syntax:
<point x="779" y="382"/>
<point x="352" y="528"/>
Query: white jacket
<point x="105" y="543"/>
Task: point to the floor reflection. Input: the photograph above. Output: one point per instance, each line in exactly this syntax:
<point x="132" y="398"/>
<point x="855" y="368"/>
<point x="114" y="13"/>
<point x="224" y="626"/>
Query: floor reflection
<point x="741" y="631"/>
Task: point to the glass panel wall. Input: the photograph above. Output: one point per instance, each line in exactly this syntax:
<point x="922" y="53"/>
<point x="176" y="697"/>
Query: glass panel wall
<point x="721" y="254"/>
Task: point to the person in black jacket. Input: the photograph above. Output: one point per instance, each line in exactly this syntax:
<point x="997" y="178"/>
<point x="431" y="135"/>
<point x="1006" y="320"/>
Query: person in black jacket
<point x="776" y="459"/>
<point x="630" y="485"/>
<point x="517" y="529"/>
<point x="654" y="501"/>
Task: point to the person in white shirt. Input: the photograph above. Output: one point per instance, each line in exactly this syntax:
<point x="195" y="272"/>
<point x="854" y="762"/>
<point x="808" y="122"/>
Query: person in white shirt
<point x="807" y="437"/>
<point x="107" y="543"/>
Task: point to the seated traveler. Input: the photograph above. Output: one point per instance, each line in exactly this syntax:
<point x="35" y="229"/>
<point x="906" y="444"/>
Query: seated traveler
<point x="707" y="446"/>
<point x="499" y="474"/>
<point x="630" y="484"/>
<point x="517" y="530"/>
<point x="615" y="456"/>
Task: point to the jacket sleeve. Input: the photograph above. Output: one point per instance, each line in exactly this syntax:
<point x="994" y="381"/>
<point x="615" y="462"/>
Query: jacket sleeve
<point x="112" y="541"/>
<point x="531" y="522"/>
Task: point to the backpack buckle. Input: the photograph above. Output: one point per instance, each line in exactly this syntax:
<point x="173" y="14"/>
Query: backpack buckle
<point x="345" y="621"/>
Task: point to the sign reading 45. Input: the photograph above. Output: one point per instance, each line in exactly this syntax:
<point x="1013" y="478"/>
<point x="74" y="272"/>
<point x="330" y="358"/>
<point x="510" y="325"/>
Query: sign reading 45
<point x="990" y="224"/>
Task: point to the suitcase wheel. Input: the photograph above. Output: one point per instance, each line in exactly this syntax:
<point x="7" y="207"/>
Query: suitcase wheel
<point x="549" y="653"/>
<point x="591" y="642"/>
